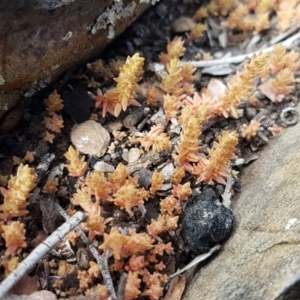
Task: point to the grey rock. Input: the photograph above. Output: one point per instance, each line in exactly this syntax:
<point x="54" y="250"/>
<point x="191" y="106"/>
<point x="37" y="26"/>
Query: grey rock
<point x="104" y="167"/>
<point x="262" y="259"/>
<point x="168" y="171"/>
<point x="206" y="222"/>
<point x="144" y="176"/>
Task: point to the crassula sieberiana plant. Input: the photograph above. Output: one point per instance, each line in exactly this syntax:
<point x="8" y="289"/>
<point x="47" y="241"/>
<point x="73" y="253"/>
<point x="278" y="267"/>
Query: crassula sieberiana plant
<point x="120" y="97"/>
<point x="54" y="122"/>
<point x="15" y="201"/>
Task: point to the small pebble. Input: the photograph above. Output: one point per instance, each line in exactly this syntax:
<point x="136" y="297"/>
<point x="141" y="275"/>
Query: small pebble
<point x="166" y="187"/>
<point x="104" y="167"/>
<point x="206" y="222"/>
<point x="114" y="126"/>
<point x="125" y="154"/>
<point x="158" y="114"/>
<point x="82" y="258"/>
<point x="168" y="171"/>
<point x="251" y="112"/>
<point x="106" y="158"/>
<point x="133" y="118"/>
<point x="144" y="176"/>
<point x="183" y="24"/>
<point x="133" y="155"/>
<point x="176" y="129"/>
<point x="90" y="138"/>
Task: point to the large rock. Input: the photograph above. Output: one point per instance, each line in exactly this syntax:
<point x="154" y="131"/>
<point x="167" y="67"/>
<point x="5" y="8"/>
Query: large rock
<point x="262" y="259"/>
<point x="39" y="39"/>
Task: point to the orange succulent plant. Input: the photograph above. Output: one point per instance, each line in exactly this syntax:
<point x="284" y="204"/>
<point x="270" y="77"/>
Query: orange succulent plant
<point x="54" y="103"/>
<point x="216" y="168"/>
<point x="240" y="86"/>
<point x="124" y="245"/>
<point x="17" y="193"/>
<point x="157" y="181"/>
<point x="77" y="166"/>
<point x="249" y="131"/>
<point x="175" y="49"/>
<point x="10" y="264"/>
<point x="99" y="185"/>
<point x="164" y="223"/>
<point x="121" y="96"/>
<point x="128" y="196"/>
<point x="155" y="138"/>
<point x="188" y="147"/>
<point x="14" y="236"/>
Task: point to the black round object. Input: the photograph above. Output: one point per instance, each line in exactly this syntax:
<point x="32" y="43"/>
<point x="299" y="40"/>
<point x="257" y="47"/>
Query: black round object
<point x="206" y="222"/>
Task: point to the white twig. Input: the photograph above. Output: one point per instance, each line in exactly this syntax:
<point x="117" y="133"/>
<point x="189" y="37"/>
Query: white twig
<point x="239" y="58"/>
<point x="196" y="260"/>
<point x="101" y="261"/>
<point x="39" y="252"/>
<point x="121" y="287"/>
<point x="283" y="35"/>
<point x="227" y="195"/>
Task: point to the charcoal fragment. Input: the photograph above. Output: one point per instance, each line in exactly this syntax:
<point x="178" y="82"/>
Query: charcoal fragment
<point x="206" y="222"/>
<point x="78" y="105"/>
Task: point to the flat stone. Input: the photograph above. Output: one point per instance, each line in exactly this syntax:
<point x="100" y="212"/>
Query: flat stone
<point x="262" y="259"/>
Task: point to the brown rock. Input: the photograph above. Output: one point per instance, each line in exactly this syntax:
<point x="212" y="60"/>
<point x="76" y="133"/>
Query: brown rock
<point x="183" y="24"/>
<point x="262" y="258"/>
<point x="39" y="39"/>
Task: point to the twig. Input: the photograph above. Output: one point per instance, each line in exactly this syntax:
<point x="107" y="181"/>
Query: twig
<point x="101" y="261"/>
<point x="227" y="195"/>
<point x="283" y="35"/>
<point x="239" y="58"/>
<point x="121" y="287"/>
<point x="37" y="254"/>
<point x="196" y="261"/>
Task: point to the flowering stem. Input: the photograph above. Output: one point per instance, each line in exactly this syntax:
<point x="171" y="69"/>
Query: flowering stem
<point x="39" y="252"/>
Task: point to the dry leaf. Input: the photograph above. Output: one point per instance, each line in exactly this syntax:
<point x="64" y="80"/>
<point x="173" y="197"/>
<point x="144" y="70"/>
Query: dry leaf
<point x="176" y="288"/>
<point x="26" y="286"/>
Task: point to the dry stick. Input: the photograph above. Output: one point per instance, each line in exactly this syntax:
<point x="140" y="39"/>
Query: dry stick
<point x="239" y="58"/>
<point x="196" y="261"/>
<point x="283" y="35"/>
<point x="121" y="287"/>
<point x="227" y="194"/>
<point x="102" y="262"/>
<point x="39" y="252"/>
